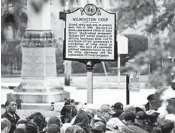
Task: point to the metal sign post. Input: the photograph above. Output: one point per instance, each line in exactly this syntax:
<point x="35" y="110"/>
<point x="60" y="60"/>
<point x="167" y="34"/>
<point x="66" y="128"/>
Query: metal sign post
<point x="127" y="90"/>
<point x="89" y="68"/>
<point x="122" y="48"/>
<point x="90" y="37"/>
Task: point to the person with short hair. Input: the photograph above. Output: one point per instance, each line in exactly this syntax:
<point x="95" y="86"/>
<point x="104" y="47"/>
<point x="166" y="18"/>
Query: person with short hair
<point x="10" y="114"/>
<point x="5" y="125"/>
<point x="53" y="128"/>
<point x="53" y="120"/>
<point x="31" y="127"/>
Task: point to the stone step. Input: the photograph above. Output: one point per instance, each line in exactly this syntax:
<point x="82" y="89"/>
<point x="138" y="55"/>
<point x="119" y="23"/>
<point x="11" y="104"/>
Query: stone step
<point x="41" y="97"/>
<point x="42" y="106"/>
<point x="40" y="90"/>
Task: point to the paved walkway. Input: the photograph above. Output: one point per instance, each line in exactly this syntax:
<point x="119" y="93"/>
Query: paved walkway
<point x="110" y="82"/>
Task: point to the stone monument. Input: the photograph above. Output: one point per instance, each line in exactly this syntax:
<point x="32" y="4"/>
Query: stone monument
<point x="40" y="86"/>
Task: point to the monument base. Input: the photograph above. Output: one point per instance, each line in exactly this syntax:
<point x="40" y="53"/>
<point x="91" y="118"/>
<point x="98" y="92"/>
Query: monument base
<point x="39" y="94"/>
<point x="42" y="106"/>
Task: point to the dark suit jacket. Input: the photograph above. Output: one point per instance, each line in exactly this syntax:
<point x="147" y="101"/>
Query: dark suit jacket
<point x="13" y="120"/>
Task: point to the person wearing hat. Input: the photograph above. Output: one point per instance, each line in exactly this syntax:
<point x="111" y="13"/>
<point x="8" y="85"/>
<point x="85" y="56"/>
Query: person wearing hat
<point x="154" y="102"/>
<point x="104" y="114"/>
<point x="98" y="127"/>
<point x="138" y="126"/>
<point x="140" y="119"/>
<point x="127" y="109"/>
<point x="129" y="118"/>
<point x="118" y="109"/>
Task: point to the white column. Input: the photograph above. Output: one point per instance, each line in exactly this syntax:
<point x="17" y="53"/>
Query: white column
<point x="89" y="87"/>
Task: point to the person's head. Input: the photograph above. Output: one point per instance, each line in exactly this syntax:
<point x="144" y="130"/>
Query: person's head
<point x="31" y="127"/>
<point x="141" y="117"/>
<point x="98" y="127"/>
<point x="75" y="129"/>
<point x="154" y="101"/>
<point x="105" y="112"/>
<point x="5" y="125"/>
<point x="130" y="108"/>
<point x="68" y="112"/>
<point x="118" y="108"/>
<point x="82" y="120"/>
<point x="54" y="120"/>
<point x="21" y="123"/>
<point x="129" y="118"/>
<point x="69" y="102"/>
<point x="10" y="106"/>
<point x="53" y="128"/>
<point x="152" y="116"/>
<point x="38" y="119"/>
<point x="140" y="108"/>
<point x="19" y="130"/>
<point x="171" y="106"/>
<point x="167" y="126"/>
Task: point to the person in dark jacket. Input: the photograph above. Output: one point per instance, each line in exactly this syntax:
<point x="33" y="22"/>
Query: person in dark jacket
<point x="81" y="123"/>
<point x="39" y="119"/>
<point x="152" y="126"/>
<point x="10" y="114"/>
<point x="138" y="126"/>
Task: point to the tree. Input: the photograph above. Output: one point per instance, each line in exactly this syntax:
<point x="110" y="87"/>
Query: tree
<point x="13" y="23"/>
<point x="161" y="49"/>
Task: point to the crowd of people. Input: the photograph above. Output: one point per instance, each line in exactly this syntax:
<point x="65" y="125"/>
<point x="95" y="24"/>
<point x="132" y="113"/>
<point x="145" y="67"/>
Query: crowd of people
<point x="152" y="117"/>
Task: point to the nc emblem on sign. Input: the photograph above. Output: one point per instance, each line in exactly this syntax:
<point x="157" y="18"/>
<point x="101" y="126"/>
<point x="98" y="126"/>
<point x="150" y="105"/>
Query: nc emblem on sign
<point x="90" y="9"/>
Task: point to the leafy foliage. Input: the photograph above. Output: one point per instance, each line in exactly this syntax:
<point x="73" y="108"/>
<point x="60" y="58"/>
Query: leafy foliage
<point x="134" y="11"/>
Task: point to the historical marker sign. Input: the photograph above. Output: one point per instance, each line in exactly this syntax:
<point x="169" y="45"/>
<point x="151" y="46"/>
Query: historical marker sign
<point x="90" y="34"/>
